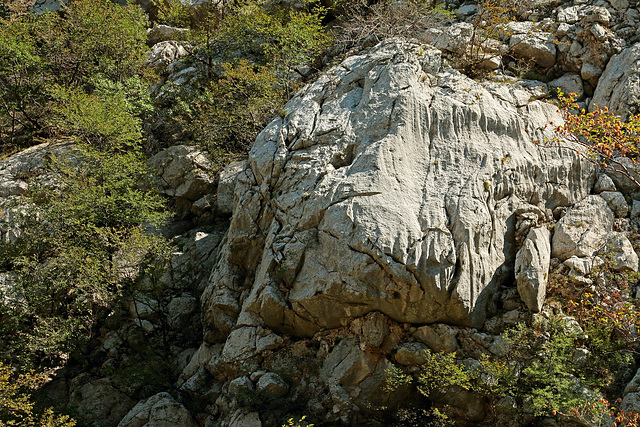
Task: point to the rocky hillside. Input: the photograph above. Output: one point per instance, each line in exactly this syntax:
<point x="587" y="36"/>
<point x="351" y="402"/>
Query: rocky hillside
<point x="400" y="246"/>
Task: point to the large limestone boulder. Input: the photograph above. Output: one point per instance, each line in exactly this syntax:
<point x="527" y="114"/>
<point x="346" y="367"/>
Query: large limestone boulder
<point x="583" y="230"/>
<point x="390" y="186"/>
<point x="619" y="85"/>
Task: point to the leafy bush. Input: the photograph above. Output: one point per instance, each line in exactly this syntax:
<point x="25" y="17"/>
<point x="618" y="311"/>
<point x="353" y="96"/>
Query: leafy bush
<point x="74" y="254"/>
<point x="247" y="51"/>
<point x="92" y="42"/>
<point x="16" y="407"/>
<point x="600" y="136"/>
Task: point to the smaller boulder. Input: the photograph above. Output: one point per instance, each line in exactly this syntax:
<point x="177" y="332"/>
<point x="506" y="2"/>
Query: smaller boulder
<point x="411" y="353"/>
<point x="583" y="229"/>
<point x="635" y="209"/>
<point x="616" y="202"/>
<point x="160" y="33"/>
<point x="272" y="385"/>
<point x="569" y="83"/>
<point x="532" y="268"/>
<point x="183" y="171"/>
<point x="604" y="183"/>
<point x="438" y="337"/>
<point x="156" y="411"/>
<point x="540" y="47"/>
<point x="621" y="253"/>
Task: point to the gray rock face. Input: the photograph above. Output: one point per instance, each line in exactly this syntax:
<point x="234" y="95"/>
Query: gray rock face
<point x="44" y="6"/>
<point x="631" y="395"/>
<point x="583" y="230"/>
<point x="619" y="87"/>
<point x="183" y="171"/>
<point x="532" y="268"/>
<point x="621" y="253"/>
<point x="226" y="185"/>
<point x="569" y="83"/>
<point x="160" y="33"/>
<point x="539" y="47"/>
<point x="604" y="183"/>
<point x="100" y="403"/>
<point x="411" y="353"/>
<point x="272" y="385"/>
<point x="617" y="203"/>
<point x="390" y="186"/>
<point x="159" y="410"/>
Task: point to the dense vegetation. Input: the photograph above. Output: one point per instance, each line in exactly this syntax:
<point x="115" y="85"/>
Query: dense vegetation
<point x="77" y="79"/>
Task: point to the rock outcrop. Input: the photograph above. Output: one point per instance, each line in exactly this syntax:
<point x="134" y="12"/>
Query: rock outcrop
<point x="390" y="186"/>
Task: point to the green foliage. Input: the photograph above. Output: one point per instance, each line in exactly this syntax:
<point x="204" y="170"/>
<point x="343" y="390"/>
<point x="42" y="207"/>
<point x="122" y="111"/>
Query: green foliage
<point x="299" y="422"/>
<point x="51" y="58"/>
<point x="249" y="50"/>
<point x="102" y="118"/>
<point x="231" y="111"/>
<point x="79" y="245"/>
<point x="549" y="379"/>
<point x="441" y="372"/>
<point x="16" y="407"/>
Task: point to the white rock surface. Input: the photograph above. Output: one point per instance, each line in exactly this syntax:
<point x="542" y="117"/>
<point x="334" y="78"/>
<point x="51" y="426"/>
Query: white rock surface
<point x="98" y="401"/>
<point x="619" y="86"/>
<point x="621" y="253"/>
<point x="604" y="183"/>
<point x="583" y="230"/>
<point x="538" y="46"/>
<point x="569" y="83"/>
<point x="390" y="186"/>
<point x="159" y="33"/>
<point x="226" y="185"/>
<point x="617" y="203"/>
<point x="532" y="268"/>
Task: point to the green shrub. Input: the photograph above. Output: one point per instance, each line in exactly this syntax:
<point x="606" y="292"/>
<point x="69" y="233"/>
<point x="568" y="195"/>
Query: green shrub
<point x="78" y="242"/>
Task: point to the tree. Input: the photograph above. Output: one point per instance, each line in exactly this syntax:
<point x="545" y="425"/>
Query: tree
<point x="83" y="242"/>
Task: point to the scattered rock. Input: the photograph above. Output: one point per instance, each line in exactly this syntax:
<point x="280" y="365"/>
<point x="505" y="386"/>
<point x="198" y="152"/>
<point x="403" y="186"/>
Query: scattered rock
<point x="158" y="411"/>
<point x="183" y="172"/>
<point x="621" y="253"/>
<point x="411" y="353"/>
<point x="100" y="403"/>
<point x="539" y="47"/>
<point x="438" y="337"/>
<point x="160" y="33"/>
<point x="604" y="183"/>
<point x="569" y="83"/>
